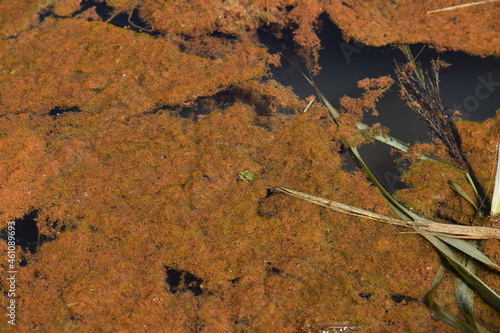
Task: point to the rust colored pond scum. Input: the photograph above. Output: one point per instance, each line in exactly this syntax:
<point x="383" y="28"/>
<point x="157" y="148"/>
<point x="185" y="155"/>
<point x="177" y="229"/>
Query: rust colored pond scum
<point x="144" y="221"/>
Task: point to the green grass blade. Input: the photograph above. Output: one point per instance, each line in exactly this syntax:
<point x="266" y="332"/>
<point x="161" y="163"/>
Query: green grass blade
<point x="405" y="147"/>
<point x="402" y="210"/>
<point x="465" y="298"/>
<point x="470" y="250"/>
<point x="465" y="301"/>
<point x="386" y="139"/>
<point x="441" y="312"/>
<point x="457" y="188"/>
<point x="472" y="184"/>
<point x="333" y="112"/>
<point x="354" y="152"/>
<point x="485" y="292"/>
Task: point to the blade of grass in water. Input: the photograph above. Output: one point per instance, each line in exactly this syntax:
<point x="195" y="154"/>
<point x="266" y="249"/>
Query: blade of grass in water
<point x="482" y="289"/>
<point x="387" y="139"/>
<point x="465" y="297"/>
<point x="457" y="188"/>
<point x="441" y="312"/>
<point x="485" y="292"/>
<point x="379" y="185"/>
<point x="470" y="250"/>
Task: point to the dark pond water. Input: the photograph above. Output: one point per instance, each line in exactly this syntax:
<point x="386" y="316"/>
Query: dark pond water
<point x="471" y="85"/>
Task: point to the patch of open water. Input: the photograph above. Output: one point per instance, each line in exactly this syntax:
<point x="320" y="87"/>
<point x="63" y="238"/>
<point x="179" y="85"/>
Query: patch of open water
<point x="470" y="84"/>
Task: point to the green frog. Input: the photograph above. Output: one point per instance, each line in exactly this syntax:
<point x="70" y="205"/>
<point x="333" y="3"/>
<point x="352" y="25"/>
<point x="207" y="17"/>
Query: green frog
<point x="245" y="176"/>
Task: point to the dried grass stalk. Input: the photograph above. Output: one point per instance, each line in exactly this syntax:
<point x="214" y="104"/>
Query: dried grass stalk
<point x="461" y="6"/>
<point x="423" y="226"/>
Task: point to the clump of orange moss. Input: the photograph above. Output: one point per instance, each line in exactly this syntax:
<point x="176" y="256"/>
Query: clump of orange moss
<point x="352" y="110"/>
<point x="98" y="67"/>
<point x="125" y="192"/>
<point x="373" y="91"/>
<point x="473" y="30"/>
<point x="125" y="198"/>
<point x="18" y="16"/>
<point x="370" y="22"/>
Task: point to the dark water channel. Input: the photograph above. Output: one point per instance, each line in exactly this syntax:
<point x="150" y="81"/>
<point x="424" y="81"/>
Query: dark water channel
<point x="470" y="85"/>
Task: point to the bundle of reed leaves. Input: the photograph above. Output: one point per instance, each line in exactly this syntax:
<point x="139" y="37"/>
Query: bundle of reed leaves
<point x="420" y="90"/>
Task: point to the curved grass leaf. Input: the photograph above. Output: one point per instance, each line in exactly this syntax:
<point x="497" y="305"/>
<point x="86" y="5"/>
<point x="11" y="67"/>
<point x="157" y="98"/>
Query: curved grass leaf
<point x="470" y="250"/>
<point x="465" y="301"/>
<point x="485" y="292"/>
<point x="444" y="314"/>
<point x="387" y="139"/>
<point x="465" y="298"/>
<point x="457" y="188"/>
<point x="402" y="209"/>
